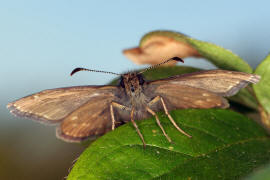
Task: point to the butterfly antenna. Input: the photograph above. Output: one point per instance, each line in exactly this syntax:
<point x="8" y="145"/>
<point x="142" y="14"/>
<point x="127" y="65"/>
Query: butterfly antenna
<point x="92" y="70"/>
<point x="172" y="59"/>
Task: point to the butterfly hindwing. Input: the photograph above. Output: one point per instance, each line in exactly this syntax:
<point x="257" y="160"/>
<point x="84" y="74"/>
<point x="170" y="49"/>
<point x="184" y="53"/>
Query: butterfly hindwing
<point x="91" y="119"/>
<point x="183" y="97"/>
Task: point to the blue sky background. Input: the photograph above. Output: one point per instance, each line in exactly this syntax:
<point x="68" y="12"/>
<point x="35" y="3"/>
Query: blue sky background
<point x="42" y="41"/>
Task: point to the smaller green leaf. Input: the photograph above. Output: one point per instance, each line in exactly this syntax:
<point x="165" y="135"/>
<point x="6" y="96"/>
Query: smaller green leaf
<point x="222" y="58"/>
<point x="164" y="72"/>
<point x="243" y="97"/>
<point x="262" y="89"/>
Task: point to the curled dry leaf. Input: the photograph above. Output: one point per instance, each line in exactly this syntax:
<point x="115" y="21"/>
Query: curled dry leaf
<point x="157" y="48"/>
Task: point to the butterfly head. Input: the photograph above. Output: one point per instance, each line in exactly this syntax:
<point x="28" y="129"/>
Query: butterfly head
<point x="132" y="83"/>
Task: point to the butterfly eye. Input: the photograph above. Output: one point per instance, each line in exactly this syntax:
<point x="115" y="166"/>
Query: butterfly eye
<point x="141" y="80"/>
<point x="122" y="84"/>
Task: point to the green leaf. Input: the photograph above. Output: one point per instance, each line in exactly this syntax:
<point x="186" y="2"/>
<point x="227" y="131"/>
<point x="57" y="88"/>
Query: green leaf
<point x="262" y="89"/>
<point x="260" y="174"/>
<point x="245" y="98"/>
<point x="164" y="72"/>
<point x="224" y="145"/>
<point x="222" y="58"/>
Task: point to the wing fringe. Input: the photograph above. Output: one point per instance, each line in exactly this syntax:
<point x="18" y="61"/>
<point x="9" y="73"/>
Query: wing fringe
<point x="23" y="114"/>
<point x="67" y="138"/>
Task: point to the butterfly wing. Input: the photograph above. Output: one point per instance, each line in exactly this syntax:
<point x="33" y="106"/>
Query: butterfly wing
<point x="52" y="106"/>
<point x="182" y="97"/>
<point x="90" y="120"/>
<point x="221" y="82"/>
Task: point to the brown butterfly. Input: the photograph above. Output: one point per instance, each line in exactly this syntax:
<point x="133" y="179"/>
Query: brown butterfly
<point x="90" y="111"/>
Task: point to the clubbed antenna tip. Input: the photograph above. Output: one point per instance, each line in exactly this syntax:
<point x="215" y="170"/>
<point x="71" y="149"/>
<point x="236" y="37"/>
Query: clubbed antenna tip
<point x="178" y="59"/>
<point x="91" y="70"/>
<point x="76" y="70"/>
<point x="164" y="62"/>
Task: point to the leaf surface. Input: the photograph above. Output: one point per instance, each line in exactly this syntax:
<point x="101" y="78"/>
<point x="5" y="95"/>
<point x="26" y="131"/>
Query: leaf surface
<point x="224" y="145"/>
<point x="262" y="89"/>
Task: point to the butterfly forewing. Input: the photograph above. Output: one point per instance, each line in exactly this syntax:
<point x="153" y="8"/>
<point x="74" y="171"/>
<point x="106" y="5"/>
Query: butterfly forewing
<point x="221" y="82"/>
<point x="91" y="119"/>
<point x="51" y="106"/>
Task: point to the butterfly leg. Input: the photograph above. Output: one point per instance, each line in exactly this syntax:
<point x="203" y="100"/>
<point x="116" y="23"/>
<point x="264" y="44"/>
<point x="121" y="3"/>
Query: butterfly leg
<point x="171" y="119"/>
<point x="136" y="127"/>
<point x="153" y="101"/>
<point x="158" y="122"/>
<point x="114" y="104"/>
<point x="120" y="106"/>
<point x="112" y="116"/>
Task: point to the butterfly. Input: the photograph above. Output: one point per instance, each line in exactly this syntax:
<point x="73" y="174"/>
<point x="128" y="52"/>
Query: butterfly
<point x="90" y="111"/>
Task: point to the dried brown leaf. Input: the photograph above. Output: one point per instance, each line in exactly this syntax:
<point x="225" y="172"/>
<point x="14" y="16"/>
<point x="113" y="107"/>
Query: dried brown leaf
<point x="159" y="48"/>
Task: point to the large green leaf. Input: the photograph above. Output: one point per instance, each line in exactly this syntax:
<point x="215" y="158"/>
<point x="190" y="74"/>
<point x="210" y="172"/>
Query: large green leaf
<point x="262" y="89"/>
<point x="224" y="145"/>
<point x="219" y="56"/>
